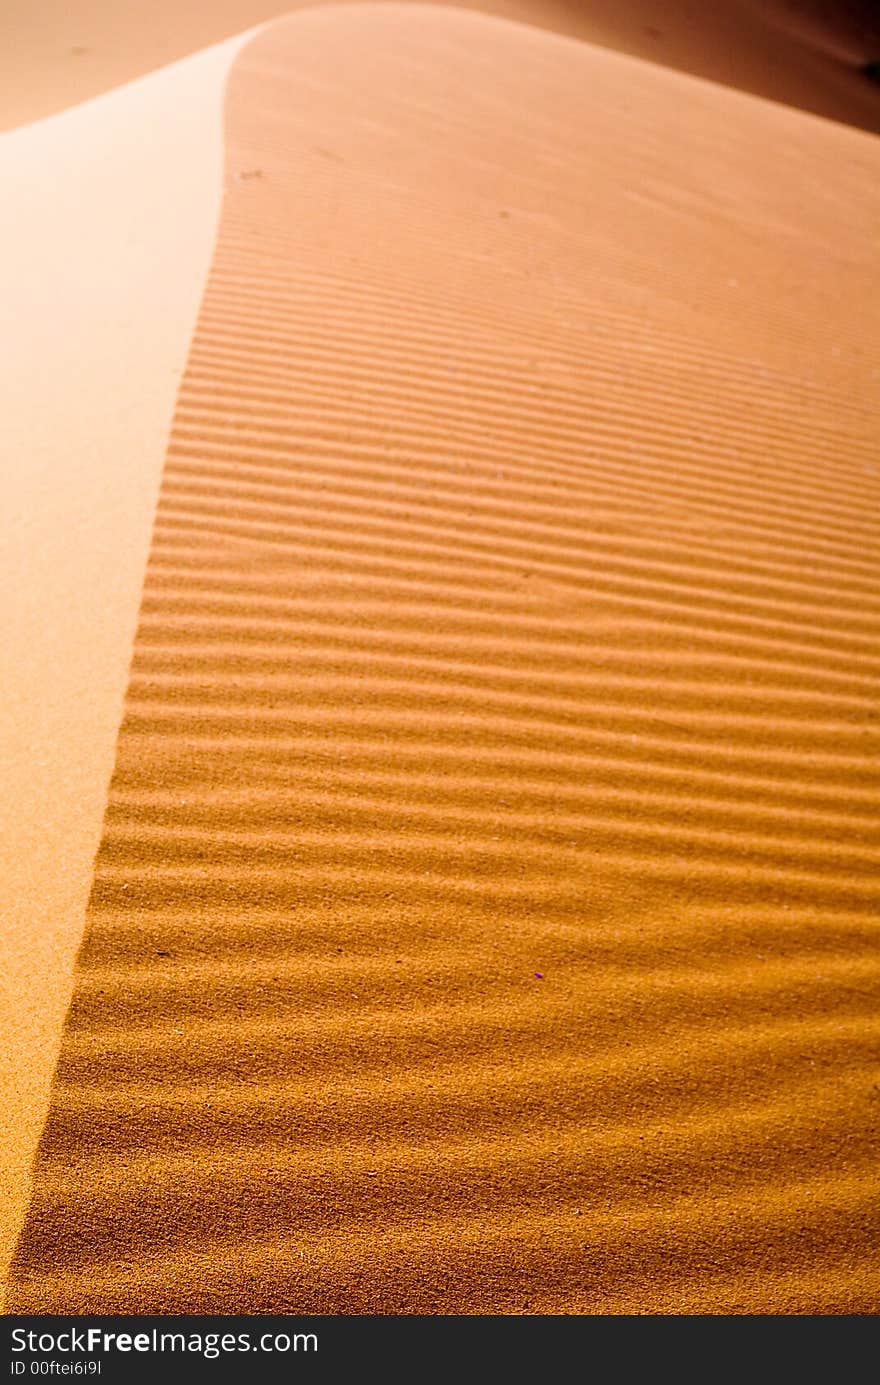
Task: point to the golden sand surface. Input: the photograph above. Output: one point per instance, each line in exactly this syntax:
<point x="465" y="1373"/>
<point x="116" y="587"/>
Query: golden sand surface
<point x="808" y="53"/>
<point x="485" y="913"/>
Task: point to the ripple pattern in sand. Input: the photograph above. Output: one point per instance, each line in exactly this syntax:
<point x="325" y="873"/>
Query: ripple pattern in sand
<point x="485" y="914"/>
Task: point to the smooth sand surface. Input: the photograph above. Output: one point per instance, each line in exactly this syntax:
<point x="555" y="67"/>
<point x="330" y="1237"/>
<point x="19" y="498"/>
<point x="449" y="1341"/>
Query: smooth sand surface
<point x="107" y="224"/>
<point x="483" y="919"/>
<point x="808" y="53"/>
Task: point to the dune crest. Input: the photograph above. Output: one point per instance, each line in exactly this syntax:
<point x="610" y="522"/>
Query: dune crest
<point x="482" y="920"/>
<point x="809" y="54"/>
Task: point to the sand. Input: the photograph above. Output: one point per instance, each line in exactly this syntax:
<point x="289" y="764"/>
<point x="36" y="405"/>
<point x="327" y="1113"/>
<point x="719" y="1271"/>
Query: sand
<point x="107" y="226"/>
<point x="483" y="916"/>
<point x="808" y="53"/>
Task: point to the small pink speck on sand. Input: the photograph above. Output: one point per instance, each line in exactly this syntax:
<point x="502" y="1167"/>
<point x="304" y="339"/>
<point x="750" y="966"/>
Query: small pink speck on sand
<point x="540" y="975"/>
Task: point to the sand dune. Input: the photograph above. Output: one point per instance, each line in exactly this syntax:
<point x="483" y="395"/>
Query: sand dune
<point x="808" y="53"/>
<point x="483" y="918"/>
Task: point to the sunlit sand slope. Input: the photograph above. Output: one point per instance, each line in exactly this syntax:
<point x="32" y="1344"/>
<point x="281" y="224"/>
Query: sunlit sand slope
<point x="107" y="225"/>
<point x="484" y="916"/>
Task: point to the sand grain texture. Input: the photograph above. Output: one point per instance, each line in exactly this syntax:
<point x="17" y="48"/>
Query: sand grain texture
<point x="484" y="919"/>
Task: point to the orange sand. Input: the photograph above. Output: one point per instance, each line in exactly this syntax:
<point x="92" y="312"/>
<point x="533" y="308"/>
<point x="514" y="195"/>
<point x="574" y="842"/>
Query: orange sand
<point x="483" y="916"/>
<point x="807" y="53"/>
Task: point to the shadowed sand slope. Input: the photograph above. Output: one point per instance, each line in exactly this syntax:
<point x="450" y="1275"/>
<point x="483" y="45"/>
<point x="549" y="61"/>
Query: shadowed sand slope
<point x="483" y="919"/>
